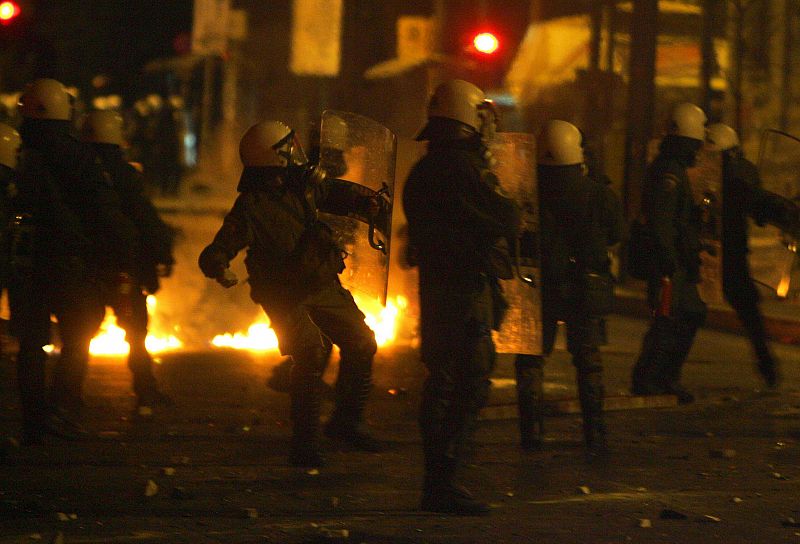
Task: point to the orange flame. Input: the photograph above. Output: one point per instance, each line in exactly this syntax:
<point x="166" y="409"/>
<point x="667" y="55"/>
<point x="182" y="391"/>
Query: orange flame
<point x="259" y="337"/>
<point x="384" y="322"/>
<point x="110" y="341"/>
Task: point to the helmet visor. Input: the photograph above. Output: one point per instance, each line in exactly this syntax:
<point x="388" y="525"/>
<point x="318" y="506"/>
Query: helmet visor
<point x="290" y="149"/>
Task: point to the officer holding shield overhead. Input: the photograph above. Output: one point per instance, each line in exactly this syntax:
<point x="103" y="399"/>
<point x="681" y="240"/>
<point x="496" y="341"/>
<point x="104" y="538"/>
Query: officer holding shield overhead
<point x="294" y="262"/>
<point x="458" y="224"/>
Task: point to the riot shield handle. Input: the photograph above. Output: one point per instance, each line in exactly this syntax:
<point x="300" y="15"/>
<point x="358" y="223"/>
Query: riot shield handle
<point x="529" y="280"/>
<point x="380" y="245"/>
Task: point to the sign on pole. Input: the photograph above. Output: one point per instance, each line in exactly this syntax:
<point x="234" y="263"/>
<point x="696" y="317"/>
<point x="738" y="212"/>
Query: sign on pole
<point x="415" y="37"/>
<point x="210" y="27"/>
<point x="316" y="37"/>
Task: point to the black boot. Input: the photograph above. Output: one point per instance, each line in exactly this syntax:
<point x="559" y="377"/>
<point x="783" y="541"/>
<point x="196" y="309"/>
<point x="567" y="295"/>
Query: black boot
<point x="442" y="496"/>
<point x="347" y="421"/>
<point x="646" y="377"/>
<point x="591" y="392"/>
<point x="767" y="363"/>
<point x="305" y="411"/>
<point x="31" y="362"/>
<point x="145" y="386"/>
<point x="66" y="391"/>
<point x="530" y="401"/>
<point x="685" y="331"/>
<point x="768" y="368"/>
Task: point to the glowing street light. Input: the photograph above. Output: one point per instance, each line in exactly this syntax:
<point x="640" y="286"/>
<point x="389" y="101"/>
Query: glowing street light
<point x="8" y="11"/>
<point x="486" y="43"/>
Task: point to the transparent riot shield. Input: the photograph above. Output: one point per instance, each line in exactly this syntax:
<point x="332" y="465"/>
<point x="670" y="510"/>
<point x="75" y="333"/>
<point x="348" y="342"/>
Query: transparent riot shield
<point x="706" y="181"/>
<point x="773" y="259"/>
<point x="515" y="167"/>
<point x="360" y="153"/>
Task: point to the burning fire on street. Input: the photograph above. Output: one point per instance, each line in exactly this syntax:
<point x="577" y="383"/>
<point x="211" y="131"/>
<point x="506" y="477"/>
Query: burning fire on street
<point x="110" y="341"/>
<point x="259" y="337"/>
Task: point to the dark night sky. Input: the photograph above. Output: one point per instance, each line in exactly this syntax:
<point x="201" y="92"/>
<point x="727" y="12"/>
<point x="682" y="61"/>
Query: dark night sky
<point x="73" y="40"/>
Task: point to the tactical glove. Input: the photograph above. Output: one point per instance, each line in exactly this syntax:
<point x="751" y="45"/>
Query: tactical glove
<point x="227" y="279"/>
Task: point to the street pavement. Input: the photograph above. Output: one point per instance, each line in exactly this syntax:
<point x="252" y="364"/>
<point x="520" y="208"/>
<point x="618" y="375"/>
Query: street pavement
<point x="213" y="469"/>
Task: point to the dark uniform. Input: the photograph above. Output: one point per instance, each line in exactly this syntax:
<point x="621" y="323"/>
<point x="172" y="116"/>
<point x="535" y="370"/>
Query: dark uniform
<point x="673" y="222"/>
<point x="70" y="227"/>
<point x="575" y="289"/>
<point x="455" y="219"/>
<point x="612" y="206"/>
<point x="743" y="197"/>
<point x="293" y="264"/>
<point x="155" y="241"/>
<point x="615" y="225"/>
<point x="8" y="190"/>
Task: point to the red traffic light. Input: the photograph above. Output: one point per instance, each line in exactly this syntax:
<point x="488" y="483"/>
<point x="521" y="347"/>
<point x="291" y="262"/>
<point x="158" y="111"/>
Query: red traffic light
<point x="8" y="11"/>
<point x="486" y="43"/>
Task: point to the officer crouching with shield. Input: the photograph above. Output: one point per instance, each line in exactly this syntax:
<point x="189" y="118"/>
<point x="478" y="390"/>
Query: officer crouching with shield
<point x="293" y="262"/>
<point x="456" y="216"/>
<point x="576" y="284"/>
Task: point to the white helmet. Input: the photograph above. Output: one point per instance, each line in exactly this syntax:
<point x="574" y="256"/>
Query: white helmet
<point x="102" y="127"/>
<point x="689" y="121"/>
<point x="460" y="101"/>
<point x="46" y="99"/>
<point x="559" y="144"/>
<point x="722" y="137"/>
<point x="9" y="146"/>
<point x="271" y="143"/>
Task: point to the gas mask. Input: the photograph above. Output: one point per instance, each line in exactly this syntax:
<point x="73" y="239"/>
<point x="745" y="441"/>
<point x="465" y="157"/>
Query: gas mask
<point x="487" y="113"/>
<point x="300" y="172"/>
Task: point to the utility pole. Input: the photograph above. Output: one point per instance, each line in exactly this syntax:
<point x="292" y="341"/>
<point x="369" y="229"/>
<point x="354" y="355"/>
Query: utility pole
<point x="708" y="65"/>
<point x="790" y="9"/>
<point x="641" y="100"/>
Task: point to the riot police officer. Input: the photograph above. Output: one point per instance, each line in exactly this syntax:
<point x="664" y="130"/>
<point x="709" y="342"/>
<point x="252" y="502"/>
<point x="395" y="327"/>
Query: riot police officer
<point x="9" y="157"/>
<point x="30" y="375"/>
<point x="30" y="319"/>
<point x="743" y="197"/>
<point x="457" y="223"/>
<point x="293" y="262"/>
<point x="78" y="229"/>
<point x="612" y="212"/>
<point x="671" y="219"/>
<point x="103" y="129"/>
<point x="576" y="286"/>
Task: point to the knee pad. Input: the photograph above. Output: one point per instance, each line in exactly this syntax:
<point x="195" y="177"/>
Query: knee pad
<point x="589" y="364"/>
<point x="361" y="352"/>
<point x="310" y="362"/>
<point x="528" y="362"/>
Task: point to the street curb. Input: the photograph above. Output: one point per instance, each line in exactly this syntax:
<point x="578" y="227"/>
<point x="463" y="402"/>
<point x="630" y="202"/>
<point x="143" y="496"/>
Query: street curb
<point x="559" y="407"/>
<point x="781" y="330"/>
